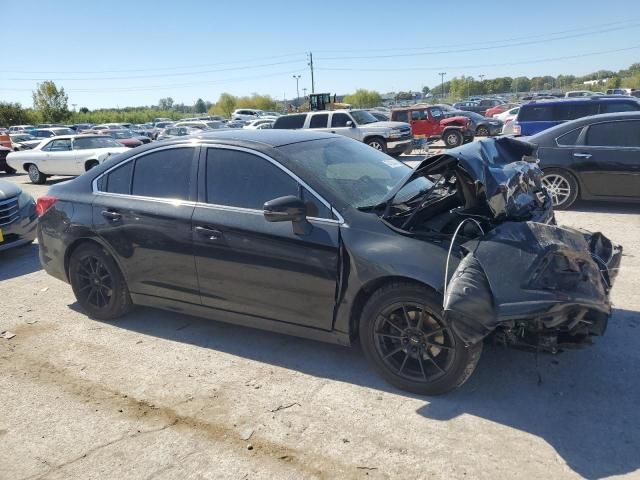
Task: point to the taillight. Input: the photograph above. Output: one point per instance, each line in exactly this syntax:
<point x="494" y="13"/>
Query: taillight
<point x="44" y="203"/>
<point x="517" y="130"/>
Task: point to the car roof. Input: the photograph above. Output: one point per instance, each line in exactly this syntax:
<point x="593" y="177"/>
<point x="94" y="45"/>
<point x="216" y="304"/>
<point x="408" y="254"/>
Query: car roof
<point x="273" y="138"/>
<point x="595" y="98"/>
<point x="582" y="121"/>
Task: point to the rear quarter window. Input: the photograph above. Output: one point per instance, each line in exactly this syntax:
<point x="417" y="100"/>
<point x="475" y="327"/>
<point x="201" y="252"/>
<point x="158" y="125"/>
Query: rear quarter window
<point x="613" y="107"/>
<point x="290" y="122"/>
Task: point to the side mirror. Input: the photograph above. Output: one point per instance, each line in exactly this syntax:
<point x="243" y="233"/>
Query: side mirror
<point x="288" y="209"/>
<point x="350" y="124"/>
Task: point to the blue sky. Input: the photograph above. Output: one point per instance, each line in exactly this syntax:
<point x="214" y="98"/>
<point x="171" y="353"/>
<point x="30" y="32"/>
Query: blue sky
<point x="120" y="53"/>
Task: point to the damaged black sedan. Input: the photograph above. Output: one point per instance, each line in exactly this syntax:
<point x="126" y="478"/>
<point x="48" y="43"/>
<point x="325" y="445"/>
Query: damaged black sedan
<point x="320" y="236"/>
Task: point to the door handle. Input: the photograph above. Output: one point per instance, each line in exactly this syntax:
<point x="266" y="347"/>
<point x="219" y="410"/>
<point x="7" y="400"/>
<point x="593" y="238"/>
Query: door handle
<point x="210" y="233"/>
<point x="582" y="155"/>
<point x="333" y="131"/>
<point x="111" y="215"/>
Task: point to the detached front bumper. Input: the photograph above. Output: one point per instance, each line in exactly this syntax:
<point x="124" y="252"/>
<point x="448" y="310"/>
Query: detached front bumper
<point x="537" y="284"/>
<point x="399" y="146"/>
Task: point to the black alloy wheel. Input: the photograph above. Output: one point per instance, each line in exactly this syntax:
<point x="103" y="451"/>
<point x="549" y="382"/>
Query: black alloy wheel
<point x="406" y="339"/>
<point x="97" y="283"/>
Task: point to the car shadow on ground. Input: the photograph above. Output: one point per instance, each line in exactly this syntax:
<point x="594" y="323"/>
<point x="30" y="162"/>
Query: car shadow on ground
<point x="19" y="261"/>
<point x="584" y="403"/>
<point x="606" y="207"/>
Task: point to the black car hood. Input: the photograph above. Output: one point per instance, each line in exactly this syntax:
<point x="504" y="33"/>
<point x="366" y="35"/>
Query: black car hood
<point x="8" y="190"/>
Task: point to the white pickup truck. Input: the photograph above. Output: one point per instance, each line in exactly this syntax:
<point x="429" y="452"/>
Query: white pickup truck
<point x="64" y="155"/>
<point x="394" y="138"/>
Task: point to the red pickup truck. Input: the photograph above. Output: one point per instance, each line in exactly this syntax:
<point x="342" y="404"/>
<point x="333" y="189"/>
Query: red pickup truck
<point x="432" y="123"/>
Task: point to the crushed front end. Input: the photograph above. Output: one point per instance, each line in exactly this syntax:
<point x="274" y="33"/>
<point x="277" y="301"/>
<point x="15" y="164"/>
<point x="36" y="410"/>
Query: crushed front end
<point x="516" y="274"/>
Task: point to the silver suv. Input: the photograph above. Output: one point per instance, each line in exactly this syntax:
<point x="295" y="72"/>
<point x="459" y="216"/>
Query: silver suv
<point x="391" y="137"/>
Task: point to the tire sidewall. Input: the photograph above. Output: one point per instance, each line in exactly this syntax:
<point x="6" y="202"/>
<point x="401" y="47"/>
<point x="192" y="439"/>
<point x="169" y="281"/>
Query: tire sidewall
<point x="380" y="142"/>
<point x="37" y="179"/>
<point x="465" y="358"/>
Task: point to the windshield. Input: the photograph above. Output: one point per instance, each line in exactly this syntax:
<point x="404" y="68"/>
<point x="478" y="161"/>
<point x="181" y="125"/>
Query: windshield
<point x="63" y="131"/>
<point x="121" y="134"/>
<point x="89" y="143"/>
<point x="23" y="137"/>
<point x="362" y="117"/>
<point x="352" y="171"/>
<point x="214" y="124"/>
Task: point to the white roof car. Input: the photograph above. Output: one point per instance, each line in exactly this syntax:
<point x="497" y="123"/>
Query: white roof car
<point x="507" y="114"/>
<point x="256" y="123"/>
<point x="246" y="114"/>
<point x="109" y="126"/>
<point x="579" y="93"/>
<point x="20" y="128"/>
<point x="201" y="124"/>
<point x="64" y="155"/>
<point x="52" y="132"/>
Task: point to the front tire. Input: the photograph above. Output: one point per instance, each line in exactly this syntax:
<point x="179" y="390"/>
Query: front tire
<point x="378" y="144"/>
<point x="98" y="283"/>
<point x="407" y="341"/>
<point x="562" y="187"/>
<point x="482" y="131"/>
<point x="453" y="138"/>
<point x="35" y="175"/>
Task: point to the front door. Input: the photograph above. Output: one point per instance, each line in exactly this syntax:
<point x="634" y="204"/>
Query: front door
<point x="143" y="212"/>
<point x="59" y="158"/>
<point x="420" y="125"/>
<point x="339" y="125"/>
<point x="250" y="266"/>
<point x="607" y="158"/>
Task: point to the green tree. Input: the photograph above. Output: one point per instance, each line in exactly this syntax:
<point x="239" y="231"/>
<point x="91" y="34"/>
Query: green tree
<point x="363" y="98"/>
<point x="165" y="103"/>
<point x="200" y="106"/>
<point x="12" y="114"/>
<point x="225" y="105"/>
<point x="425" y="90"/>
<point x="51" y="102"/>
<point x="84" y="110"/>
<point x="614" y="82"/>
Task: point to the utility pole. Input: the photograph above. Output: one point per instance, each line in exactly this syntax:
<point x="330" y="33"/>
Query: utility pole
<point x="297" y="77"/>
<point x="304" y="92"/>
<point x="442" y="74"/>
<point x="310" y="63"/>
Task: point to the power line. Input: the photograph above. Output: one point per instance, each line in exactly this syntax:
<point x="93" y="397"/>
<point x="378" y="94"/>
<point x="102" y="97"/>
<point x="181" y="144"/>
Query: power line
<point x="180" y="74"/>
<point x="476" y="49"/>
<point x="161" y="87"/>
<point x="463" y="67"/>
<point x="185" y="67"/>
<point x="501" y="40"/>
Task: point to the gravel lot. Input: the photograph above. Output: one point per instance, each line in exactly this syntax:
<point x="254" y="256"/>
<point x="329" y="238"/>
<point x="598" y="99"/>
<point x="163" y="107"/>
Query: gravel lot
<point x="162" y="395"/>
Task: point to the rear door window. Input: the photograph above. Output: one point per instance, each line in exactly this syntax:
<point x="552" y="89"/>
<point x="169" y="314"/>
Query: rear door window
<point x="291" y="122"/>
<point x="571" y="111"/>
<point x="615" y="134"/>
<point x="164" y="174"/>
<point x="319" y="120"/>
<point x="613" y="107"/>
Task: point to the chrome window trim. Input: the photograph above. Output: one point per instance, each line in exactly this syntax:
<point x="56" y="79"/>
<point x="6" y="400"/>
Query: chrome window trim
<point x="96" y="191"/>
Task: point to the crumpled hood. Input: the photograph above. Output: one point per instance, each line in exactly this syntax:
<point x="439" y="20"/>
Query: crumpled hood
<point x="9" y="190"/>
<point x="501" y="173"/>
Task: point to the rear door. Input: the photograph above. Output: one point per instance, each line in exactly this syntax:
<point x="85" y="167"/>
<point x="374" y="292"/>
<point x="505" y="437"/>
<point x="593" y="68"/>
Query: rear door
<point x="607" y="158"/>
<point x="142" y="210"/>
<point x="249" y="266"/>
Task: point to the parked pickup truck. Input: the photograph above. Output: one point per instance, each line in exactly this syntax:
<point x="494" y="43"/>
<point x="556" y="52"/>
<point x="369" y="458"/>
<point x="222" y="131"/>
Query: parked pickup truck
<point x="431" y="122"/>
<point x="390" y="137"/>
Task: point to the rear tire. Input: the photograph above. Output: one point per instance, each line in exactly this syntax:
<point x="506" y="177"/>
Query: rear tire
<point x="407" y="341"/>
<point x="91" y="164"/>
<point x="98" y="284"/>
<point x="35" y="175"/>
<point x="378" y="144"/>
<point x="562" y="187"/>
<point x="453" y="138"/>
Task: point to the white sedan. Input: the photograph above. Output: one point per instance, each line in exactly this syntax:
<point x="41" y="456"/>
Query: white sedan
<point x="260" y="124"/>
<point x="64" y="155"/>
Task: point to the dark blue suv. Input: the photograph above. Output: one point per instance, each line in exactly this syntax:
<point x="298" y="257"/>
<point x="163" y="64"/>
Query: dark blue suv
<point x="536" y="116"/>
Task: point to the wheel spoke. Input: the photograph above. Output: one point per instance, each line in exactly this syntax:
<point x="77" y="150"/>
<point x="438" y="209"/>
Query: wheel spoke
<point x="386" y="335"/>
<point x="443" y="347"/>
<point x="433" y="360"/>
<point x="390" y="354"/>
<point x="83" y="288"/>
<point x="406" y="315"/>
<point x="435" y="332"/>
<point x="404" y="362"/>
<point x="392" y="324"/>
<point x="424" y="375"/>
<point x="420" y="319"/>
